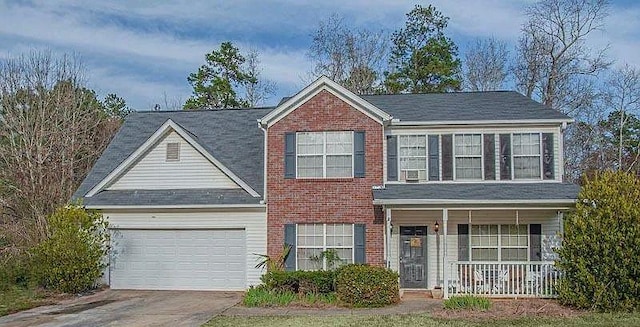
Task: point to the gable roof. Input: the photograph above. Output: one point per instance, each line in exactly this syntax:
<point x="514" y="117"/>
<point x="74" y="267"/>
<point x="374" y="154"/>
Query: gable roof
<point x="230" y="136"/>
<point x="289" y="104"/>
<point x="507" y="106"/>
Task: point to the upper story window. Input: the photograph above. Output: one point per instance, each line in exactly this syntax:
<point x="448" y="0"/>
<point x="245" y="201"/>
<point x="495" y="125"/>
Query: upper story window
<point x="324" y="154"/>
<point x="468" y="156"/>
<point x="526" y="156"/>
<point x="413" y="157"/>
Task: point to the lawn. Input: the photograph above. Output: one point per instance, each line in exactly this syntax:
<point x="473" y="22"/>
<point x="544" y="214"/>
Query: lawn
<point x="17" y="299"/>
<point x="423" y="320"/>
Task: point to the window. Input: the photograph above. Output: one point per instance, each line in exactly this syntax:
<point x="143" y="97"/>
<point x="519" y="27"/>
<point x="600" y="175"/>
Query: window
<point x="413" y="155"/>
<point x="499" y="242"/>
<point x="173" y="151"/>
<point x="314" y="240"/>
<point x="324" y="154"/>
<point x="468" y="156"/>
<point x="526" y="156"/>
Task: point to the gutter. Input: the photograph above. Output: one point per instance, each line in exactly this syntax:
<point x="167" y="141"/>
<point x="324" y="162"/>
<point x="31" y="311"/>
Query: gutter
<point x="459" y="201"/>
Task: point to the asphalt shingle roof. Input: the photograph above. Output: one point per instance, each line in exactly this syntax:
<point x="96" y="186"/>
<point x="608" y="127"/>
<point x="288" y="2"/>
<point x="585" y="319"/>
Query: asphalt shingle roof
<point x="231" y="136"/>
<point x="462" y="106"/>
<point x="171" y="197"/>
<point x="479" y="191"/>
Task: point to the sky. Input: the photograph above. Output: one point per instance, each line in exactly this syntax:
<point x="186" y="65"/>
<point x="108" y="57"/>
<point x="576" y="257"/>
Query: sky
<point x="144" y="50"/>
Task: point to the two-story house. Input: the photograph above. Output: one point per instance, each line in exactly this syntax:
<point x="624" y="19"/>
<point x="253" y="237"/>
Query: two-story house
<point x="459" y="190"/>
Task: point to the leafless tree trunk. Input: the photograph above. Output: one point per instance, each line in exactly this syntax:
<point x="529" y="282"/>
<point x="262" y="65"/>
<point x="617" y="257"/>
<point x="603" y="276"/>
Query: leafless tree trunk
<point x="552" y="54"/>
<point x="623" y="95"/>
<point x="52" y="130"/>
<point x="485" y="65"/>
<point x="259" y="90"/>
<point x="353" y="58"/>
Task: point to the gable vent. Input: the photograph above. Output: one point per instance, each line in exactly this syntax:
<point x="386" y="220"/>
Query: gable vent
<point x="173" y="151"/>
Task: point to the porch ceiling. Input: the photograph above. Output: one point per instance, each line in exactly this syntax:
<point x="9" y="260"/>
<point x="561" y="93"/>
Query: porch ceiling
<point x="477" y="194"/>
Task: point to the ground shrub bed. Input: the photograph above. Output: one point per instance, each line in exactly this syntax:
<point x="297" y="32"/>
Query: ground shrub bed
<point x="467" y="302"/>
<point x="352" y="285"/>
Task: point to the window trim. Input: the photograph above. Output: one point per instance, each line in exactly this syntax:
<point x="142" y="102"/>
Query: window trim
<point x="324" y="246"/>
<point x="499" y="246"/>
<point x="455" y="156"/>
<point x="324" y="155"/>
<point x="540" y="158"/>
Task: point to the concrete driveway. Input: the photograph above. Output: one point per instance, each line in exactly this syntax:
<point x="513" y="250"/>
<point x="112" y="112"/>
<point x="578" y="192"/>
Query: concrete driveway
<point x="129" y="308"/>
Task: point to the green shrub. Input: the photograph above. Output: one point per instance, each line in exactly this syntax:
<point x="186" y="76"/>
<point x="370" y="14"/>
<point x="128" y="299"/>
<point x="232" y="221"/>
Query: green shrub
<point x="360" y="285"/>
<point x="599" y="257"/>
<point x="305" y="282"/>
<point x="14" y="271"/>
<point x="468" y="302"/>
<point x="72" y="258"/>
<point x="262" y="297"/>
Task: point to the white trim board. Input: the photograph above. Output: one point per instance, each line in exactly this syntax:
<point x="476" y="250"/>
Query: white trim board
<point x="324" y="84"/>
<point x="150" y="142"/>
<point x="460" y="201"/>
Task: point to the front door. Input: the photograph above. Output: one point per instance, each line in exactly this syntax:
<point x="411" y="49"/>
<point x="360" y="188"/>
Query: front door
<point x="413" y="256"/>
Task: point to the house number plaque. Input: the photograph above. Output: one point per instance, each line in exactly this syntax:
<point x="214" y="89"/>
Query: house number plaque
<point x="416" y="242"/>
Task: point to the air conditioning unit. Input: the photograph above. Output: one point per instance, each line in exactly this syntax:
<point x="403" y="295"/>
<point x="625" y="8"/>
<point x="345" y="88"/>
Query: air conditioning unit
<point x="412" y="175"/>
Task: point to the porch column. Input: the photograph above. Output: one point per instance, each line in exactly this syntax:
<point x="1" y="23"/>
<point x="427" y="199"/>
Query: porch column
<point x="445" y="276"/>
<point x="387" y="241"/>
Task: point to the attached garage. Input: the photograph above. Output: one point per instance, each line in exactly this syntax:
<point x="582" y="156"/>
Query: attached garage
<point x="185" y="249"/>
<point x="179" y="259"/>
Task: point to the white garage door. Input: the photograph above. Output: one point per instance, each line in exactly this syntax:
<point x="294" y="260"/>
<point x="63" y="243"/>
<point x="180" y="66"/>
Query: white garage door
<point x="178" y="259"/>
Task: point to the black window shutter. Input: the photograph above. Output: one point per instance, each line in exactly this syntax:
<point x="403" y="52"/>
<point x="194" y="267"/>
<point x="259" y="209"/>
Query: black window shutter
<point x="489" y="156"/>
<point x="290" y="240"/>
<point x="359" y="232"/>
<point x="434" y="158"/>
<point x="358" y="154"/>
<point x="535" y="238"/>
<point x="505" y="156"/>
<point x="392" y="158"/>
<point x="463" y="242"/>
<point x="447" y="157"/>
<point x="547" y="156"/>
<point x="289" y="155"/>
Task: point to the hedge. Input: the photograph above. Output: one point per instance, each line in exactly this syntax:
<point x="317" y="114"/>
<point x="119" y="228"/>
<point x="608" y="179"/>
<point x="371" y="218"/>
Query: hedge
<point x="359" y="285"/>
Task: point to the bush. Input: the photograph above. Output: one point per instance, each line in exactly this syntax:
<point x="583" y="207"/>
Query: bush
<point x="360" y="285"/>
<point x="599" y="257"/>
<point x="14" y="271"/>
<point x="468" y="302"/>
<point x="263" y="297"/>
<point x="306" y="282"/>
<point x="72" y="258"/>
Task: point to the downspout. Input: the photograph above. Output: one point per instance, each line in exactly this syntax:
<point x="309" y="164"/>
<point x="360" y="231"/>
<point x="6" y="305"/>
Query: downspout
<point x="264" y="164"/>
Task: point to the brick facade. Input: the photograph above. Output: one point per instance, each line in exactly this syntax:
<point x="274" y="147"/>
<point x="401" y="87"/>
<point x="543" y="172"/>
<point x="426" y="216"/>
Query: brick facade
<point x="346" y="200"/>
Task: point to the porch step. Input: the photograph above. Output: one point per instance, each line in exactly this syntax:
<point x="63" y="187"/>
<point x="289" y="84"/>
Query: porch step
<point x="415" y="294"/>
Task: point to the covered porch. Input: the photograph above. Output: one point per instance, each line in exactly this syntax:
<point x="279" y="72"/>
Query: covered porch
<point x="486" y="247"/>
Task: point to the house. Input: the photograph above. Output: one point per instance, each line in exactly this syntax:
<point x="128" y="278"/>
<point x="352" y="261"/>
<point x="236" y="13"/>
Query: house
<point x="458" y="190"/>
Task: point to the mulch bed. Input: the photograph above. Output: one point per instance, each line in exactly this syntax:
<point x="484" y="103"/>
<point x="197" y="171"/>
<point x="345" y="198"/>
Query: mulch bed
<point x="512" y="309"/>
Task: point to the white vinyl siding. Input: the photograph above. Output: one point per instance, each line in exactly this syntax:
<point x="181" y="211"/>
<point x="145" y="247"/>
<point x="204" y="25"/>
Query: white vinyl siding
<point x="527" y="163"/>
<point x="324" y="154"/>
<point x="154" y="172"/>
<point x="467" y="152"/>
<point x="253" y="222"/>
<point x="413" y="155"/>
<point x="314" y="239"/>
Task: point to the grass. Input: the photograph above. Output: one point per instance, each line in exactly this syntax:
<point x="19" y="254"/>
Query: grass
<point x="261" y="297"/>
<point x="468" y="302"/>
<point x="16" y="298"/>
<point x="590" y="320"/>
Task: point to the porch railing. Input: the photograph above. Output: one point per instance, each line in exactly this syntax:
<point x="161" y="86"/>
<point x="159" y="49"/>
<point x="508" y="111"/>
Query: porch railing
<point x="503" y="279"/>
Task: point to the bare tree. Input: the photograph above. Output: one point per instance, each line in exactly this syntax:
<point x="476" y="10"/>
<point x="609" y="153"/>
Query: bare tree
<point x="51" y="132"/>
<point x="485" y="65"/>
<point x="355" y="58"/>
<point x="552" y="56"/>
<point x="168" y="103"/>
<point x="258" y="90"/>
<point x="623" y="96"/>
